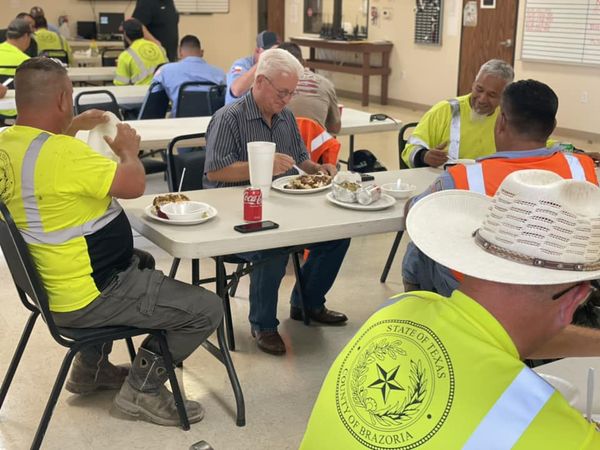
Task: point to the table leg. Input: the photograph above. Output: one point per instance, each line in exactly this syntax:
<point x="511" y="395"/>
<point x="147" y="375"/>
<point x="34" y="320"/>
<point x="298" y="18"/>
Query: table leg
<point x="365" y="78"/>
<point x="385" y="57"/>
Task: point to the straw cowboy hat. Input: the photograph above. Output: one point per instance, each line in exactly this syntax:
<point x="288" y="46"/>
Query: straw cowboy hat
<point x="539" y="229"/>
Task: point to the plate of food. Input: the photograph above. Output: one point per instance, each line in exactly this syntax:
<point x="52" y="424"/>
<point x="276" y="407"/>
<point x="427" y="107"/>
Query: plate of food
<point x="567" y="389"/>
<point x="303" y="184"/>
<point x="178" y="209"/>
<point x="385" y="201"/>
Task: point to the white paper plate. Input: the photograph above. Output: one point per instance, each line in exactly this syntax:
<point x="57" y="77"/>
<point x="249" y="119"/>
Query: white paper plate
<point x="385" y="201"/>
<point x="568" y="391"/>
<point x="279" y="184"/>
<point x="212" y="212"/>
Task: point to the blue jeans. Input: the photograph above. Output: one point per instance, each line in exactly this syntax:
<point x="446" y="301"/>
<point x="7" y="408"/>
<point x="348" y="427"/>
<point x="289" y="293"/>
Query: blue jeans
<point x="318" y="274"/>
<point x="420" y="270"/>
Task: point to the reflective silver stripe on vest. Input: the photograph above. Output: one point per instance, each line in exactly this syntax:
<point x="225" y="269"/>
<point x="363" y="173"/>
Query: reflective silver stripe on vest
<point x="319" y="140"/>
<point x="144" y="71"/>
<point x="512" y="413"/>
<point x="577" y="172"/>
<point x="122" y="79"/>
<point x="419" y="144"/>
<point x="475" y="178"/>
<point x="454" y="144"/>
<point x="35" y="234"/>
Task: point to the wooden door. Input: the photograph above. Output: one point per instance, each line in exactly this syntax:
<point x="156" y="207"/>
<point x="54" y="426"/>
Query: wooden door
<point x="492" y="37"/>
<point x="275" y="17"/>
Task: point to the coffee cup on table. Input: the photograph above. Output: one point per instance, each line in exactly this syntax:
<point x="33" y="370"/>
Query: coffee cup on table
<point x="260" y="159"/>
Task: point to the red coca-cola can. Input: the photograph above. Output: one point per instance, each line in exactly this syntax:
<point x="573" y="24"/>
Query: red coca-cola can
<point x="252" y="204"/>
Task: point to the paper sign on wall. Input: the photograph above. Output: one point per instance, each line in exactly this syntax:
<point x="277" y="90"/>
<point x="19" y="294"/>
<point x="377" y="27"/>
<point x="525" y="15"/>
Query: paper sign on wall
<point x="470" y="14"/>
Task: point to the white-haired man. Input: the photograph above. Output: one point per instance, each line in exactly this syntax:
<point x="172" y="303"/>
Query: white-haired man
<point x="261" y="115"/>
<point x="433" y="372"/>
<point x="461" y="127"/>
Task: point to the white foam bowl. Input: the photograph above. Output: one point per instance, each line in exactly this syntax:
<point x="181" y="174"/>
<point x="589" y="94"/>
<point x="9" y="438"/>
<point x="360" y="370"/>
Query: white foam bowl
<point x="185" y="210"/>
<point x="402" y="191"/>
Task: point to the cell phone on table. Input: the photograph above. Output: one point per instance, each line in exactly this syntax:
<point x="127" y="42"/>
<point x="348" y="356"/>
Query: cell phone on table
<point x="366" y="177"/>
<point x="7" y="82"/>
<point x="253" y="227"/>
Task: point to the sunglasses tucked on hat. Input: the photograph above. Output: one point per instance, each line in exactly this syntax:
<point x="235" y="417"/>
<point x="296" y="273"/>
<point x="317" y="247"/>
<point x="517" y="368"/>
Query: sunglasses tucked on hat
<point x="266" y="40"/>
<point x="539" y="229"/>
<point x="18" y="28"/>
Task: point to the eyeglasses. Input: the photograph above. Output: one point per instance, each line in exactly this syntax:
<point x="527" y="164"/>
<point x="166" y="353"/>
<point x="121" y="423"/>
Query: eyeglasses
<point x="381" y="116"/>
<point x="593" y="287"/>
<point x="281" y="93"/>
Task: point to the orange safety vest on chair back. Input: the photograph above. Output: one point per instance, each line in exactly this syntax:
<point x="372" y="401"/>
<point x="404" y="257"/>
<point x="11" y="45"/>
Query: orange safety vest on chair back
<point x="322" y="146"/>
<point x="486" y="176"/>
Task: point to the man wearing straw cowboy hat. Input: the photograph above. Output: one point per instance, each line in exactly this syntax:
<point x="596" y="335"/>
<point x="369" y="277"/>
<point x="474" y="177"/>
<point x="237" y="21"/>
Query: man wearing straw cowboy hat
<point x="527" y="118"/>
<point x="433" y="372"/>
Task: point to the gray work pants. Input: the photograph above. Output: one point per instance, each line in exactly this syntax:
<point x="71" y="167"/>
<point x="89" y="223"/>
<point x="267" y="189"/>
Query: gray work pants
<point x="143" y="297"/>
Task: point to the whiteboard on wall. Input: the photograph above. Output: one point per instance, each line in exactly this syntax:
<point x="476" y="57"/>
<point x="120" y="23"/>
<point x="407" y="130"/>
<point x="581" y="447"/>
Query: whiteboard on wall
<point x="202" y="6"/>
<point x="563" y="31"/>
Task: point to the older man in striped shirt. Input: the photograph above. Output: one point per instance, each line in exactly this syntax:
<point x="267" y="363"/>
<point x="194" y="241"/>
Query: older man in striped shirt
<point x="261" y="115"/>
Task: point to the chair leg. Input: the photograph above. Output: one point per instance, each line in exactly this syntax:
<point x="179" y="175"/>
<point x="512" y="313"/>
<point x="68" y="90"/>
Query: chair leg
<point x="10" y="373"/>
<point x="56" y="389"/>
<point x="296" y="262"/>
<point x="174" y="267"/>
<point x="196" y="272"/>
<point x="235" y="383"/>
<point x="229" y="322"/>
<point x="235" y="282"/>
<point x="130" y="348"/>
<point x="166" y="354"/>
<point x="390" y="258"/>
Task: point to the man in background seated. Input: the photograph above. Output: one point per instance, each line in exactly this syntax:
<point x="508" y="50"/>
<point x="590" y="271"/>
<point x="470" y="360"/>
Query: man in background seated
<point x="137" y="64"/>
<point x="81" y="243"/>
<point x="315" y="95"/>
<point x="241" y="75"/>
<point x="431" y="372"/>
<point x="18" y="37"/>
<point x="49" y="40"/>
<point x="37" y="11"/>
<point x="32" y="50"/>
<point x="261" y="115"/>
<point x="461" y="127"/>
<point x="191" y="67"/>
<point x="527" y="117"/>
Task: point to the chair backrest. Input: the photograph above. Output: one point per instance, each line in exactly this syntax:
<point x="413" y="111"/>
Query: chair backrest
<point x="403" y="140"/>
<point x="155" y="104"/>
<point x="199" y="98"/>
<point x="23" y="271"/>
<point x="56" y="53"/>
<point x="5" y="77"/>
<point x="108" y="105"/>
<point x="192" y="161"/>
<point x="109" y="56"/>
<point x="322" y="146"/>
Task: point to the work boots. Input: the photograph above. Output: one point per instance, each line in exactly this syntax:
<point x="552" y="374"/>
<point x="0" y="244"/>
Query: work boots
<point x="144" y="395"/>
<point x="85" y="377"/>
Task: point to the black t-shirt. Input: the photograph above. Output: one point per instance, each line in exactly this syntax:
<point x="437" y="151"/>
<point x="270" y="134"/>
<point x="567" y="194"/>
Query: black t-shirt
<point x="161" y="18"/>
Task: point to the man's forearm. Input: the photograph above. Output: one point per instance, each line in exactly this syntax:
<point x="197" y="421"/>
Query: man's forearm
<point x="238" y="171"/>
<point x="573" y="341"/>
<point x="243" y="83"/>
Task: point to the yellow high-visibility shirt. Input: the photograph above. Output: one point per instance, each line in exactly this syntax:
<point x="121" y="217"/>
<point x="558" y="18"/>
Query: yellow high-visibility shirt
<point x="49" y="40"/>
<point x="10" y="56"/>
<point x="433" y="373"/>
<point x="137" y="64"/>
<point x="57" y="190"/>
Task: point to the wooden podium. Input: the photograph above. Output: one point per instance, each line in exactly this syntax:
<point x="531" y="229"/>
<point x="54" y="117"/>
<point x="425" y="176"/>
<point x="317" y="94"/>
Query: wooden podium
<point x="365" y="69"/>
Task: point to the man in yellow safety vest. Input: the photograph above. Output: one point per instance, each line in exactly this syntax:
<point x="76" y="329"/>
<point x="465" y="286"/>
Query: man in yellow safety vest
<point x="432" y="372"/>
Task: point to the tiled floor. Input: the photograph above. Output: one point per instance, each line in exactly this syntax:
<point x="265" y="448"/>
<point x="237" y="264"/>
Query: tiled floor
<point x="279" y="391"/>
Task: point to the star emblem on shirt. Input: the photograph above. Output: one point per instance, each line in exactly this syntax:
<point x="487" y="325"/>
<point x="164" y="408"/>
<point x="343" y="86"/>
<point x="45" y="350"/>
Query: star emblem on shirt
<point x="386" y="381"/>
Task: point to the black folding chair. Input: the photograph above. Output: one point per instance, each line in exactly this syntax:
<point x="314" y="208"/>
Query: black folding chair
<point x="9" y="72"/>
<point x="156" y="103"/>
<point x="193" y="162"/>
<point x="109" y="104"/>
<point x="35" y="299"/>
<point x="109" y="56"/>
<point x="402" y="141"/>
<point x="56" y="53"/>
<point x="199" y="98"/>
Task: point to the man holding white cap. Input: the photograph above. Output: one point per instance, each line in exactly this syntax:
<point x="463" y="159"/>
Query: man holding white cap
<point x="434" y="372"/>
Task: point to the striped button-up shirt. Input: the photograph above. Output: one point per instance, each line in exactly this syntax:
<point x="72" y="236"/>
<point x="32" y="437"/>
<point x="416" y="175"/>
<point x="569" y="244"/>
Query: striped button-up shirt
<point x="238" y="123"/>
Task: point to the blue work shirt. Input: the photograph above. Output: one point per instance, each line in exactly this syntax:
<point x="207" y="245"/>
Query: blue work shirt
<point x="238" y="68"/>
<point x="193" y="68"/>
